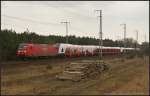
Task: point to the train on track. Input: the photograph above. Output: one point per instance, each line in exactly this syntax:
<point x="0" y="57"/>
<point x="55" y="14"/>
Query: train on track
<point x="68" y="50"/>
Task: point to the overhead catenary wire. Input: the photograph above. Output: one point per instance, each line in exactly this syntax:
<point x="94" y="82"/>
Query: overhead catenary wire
<point x="37" y="22"/>
<point x="30" y="20"/>
<point x="34" y="21"/>
<point x="12" y="26"/>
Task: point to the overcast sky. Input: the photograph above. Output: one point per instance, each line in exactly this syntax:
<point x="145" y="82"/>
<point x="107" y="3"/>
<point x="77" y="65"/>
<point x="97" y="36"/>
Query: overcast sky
<point x="44" y="17"/>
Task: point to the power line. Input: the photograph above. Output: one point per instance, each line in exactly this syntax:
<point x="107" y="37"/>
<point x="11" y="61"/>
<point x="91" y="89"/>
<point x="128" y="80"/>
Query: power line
<point x="33" y="21"/>
<point x="66" y="30"/>
<point x="13" y="25"/>
<point x="30" y="20"/>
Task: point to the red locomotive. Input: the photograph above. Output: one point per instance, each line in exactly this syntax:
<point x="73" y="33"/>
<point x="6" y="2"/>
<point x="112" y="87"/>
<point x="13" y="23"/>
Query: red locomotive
<point x="35" y="50"/>
<point x="68" y="50"/>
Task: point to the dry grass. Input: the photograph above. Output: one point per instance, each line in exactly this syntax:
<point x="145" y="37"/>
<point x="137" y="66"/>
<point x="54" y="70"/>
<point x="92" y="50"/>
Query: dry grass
<point x="128" y="77"/>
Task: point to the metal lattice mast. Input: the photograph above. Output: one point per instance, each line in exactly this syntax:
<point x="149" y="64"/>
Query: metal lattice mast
<point x="145" y="37"/>
<point x="100" y="34"/>
<point x="136" y="38"/>
<point x="124" y="52"/>
<point x="66" y="30"/>
<point x="124" y="34"/>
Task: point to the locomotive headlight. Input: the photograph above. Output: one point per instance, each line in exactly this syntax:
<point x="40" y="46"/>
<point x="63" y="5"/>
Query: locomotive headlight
<point x="19" y="51"/>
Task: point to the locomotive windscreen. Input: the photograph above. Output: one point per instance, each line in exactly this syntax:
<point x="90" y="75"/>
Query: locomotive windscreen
<point x="21" y="46"/>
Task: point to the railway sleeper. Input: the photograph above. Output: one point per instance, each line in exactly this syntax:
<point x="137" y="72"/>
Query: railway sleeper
<point x="77" y="71"/>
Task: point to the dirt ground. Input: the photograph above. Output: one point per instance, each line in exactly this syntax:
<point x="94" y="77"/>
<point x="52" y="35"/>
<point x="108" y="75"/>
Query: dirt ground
<point x="128" y="77"/>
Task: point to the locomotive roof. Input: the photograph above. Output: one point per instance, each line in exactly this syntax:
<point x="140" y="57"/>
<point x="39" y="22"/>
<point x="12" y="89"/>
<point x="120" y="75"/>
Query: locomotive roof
<point x="82" y="46"/>
<point x="91" y="46"/>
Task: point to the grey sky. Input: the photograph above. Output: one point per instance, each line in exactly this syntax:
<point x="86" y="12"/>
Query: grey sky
<point x="44" y="17"/>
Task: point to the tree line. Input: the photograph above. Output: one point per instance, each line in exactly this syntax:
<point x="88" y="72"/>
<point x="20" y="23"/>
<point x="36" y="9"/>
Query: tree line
<point x="9" y="41"/>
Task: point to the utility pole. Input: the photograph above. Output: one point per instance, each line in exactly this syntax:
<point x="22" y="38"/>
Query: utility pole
<point x="137" y="35"/>
<point x="136" y="40"/>
<point x="124" y="37"/>
<point x="100" y="34"/>
<point x="29" y="38"/>
<point x="66" y="30"/>
<point x="145" y="44"/>
<point x="145" y="37"/>
<point x="27" y="30"/>
<point x="136" y="43"/>
<point x="124" y="34"/>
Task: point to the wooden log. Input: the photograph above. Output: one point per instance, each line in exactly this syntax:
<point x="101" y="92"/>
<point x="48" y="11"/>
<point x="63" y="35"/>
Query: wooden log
<point x="83" y="69"/>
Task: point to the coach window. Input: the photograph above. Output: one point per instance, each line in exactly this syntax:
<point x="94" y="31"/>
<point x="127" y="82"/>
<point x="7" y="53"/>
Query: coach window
<point x="62" y="50"/>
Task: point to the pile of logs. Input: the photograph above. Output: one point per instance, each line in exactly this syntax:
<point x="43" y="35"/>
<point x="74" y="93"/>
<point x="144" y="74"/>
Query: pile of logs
<point x="77" y="71"/>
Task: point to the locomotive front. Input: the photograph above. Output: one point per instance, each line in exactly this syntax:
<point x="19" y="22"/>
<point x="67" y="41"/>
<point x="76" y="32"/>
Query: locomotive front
<point x="22" y="50"/>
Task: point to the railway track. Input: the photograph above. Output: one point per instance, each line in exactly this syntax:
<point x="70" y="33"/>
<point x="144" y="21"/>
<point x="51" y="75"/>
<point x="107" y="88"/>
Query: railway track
<point x="37" y="61"/>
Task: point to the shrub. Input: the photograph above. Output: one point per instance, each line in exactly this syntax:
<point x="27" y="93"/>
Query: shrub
<point x="140" y="54"/>
<point x="49" y="67"/>
<point x="130" y="56"/>
<point x="122" y="59"/>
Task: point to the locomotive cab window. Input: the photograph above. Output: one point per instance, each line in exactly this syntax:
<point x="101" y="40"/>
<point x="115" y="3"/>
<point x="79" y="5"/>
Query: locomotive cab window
<point x="22" y="46"/>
